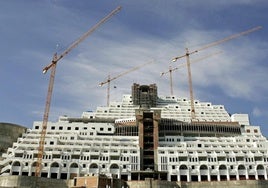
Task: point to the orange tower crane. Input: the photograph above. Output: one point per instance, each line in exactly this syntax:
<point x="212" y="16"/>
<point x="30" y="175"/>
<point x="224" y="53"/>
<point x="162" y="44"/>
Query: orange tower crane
<point x="109" y="79"/>
<point x="171" y="70"/>
<point x="52" y="66"/>
<point x="188" y="53"/>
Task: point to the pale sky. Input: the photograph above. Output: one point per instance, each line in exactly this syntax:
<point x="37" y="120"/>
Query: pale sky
<point x="154" y="30"/>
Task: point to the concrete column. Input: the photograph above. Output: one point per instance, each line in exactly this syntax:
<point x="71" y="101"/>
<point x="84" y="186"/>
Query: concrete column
<point x="68" y="174"/>
<point x="208" y="174"/>
<point x="30" y="172"/>
<point x="139" y="119"/>
<point x="265" y="174"/>
<point x="79" y="171"/>
<point x="237" y="175"/>
<point x="178" y="176"/>
<point x="20" y="172"/>
<point x="168" y="176"/>
<point x="256" y="174"/>
<point x="59" y="173"/>
<point x="156" y="118"/>
<point x="218" y="176"/>
<point x="49" y="174"/>
<point x="188" y="176"/>
<point x="228" y="175"/>
<point x="119" y="172"/>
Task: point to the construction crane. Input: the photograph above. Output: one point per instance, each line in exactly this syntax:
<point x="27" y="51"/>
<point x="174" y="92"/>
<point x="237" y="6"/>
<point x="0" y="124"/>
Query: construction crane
<point x="171" y="70"/>
<point x="109" y="79"/>
<point x="188" y="53"/>
<point x="52" y="66"/>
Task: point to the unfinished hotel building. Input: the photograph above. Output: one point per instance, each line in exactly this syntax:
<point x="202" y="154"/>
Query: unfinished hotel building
<point x="145" y="136"/>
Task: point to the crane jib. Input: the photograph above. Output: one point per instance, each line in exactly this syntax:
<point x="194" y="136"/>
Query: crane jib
<point x="52" y="66"/>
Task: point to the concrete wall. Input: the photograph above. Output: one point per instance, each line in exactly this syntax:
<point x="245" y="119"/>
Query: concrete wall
<point x="89" y="181"/>
<point x="149" y="183"/>
<point x="224" y="184"/>
<point x="31" y="182"/>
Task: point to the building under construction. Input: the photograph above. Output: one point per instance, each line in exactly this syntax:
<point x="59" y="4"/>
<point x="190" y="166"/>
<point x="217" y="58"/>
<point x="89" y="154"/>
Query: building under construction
<point x="145" y="136"/>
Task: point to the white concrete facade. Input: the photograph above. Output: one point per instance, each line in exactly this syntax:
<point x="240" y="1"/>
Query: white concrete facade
<point x="80" y="148"/>
<point x="215" y="159"/>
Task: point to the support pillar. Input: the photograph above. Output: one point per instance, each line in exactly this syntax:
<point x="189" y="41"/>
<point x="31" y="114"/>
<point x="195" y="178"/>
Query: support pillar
<point x="208" y="174"/>
<point x="218" y="176"/>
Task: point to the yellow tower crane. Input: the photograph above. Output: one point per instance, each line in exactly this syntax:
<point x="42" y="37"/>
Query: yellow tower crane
<point x="188" y="53"/>
<point x="171" y="70"/>
<point x="52" y="66"/>
<point x="109" y="79"/>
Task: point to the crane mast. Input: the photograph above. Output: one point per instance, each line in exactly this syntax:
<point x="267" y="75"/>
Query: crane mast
<point x="171" y="70"/>
<point x="52" y="66"/>
<point x="108" y="89"/>
<point x="188" y="53"/>
<point x="190" y="83"/>
<point x="109" y="79"/>
<point x="171" y="80"/>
